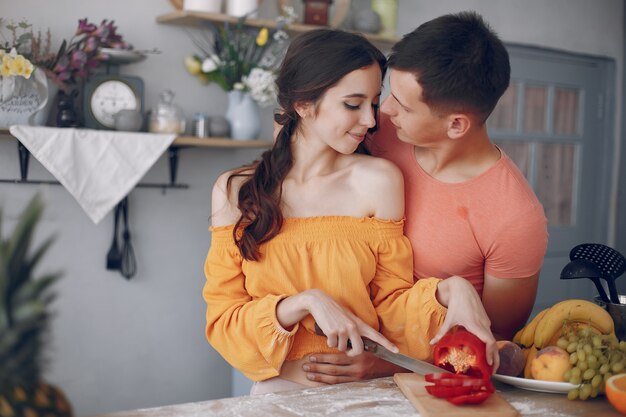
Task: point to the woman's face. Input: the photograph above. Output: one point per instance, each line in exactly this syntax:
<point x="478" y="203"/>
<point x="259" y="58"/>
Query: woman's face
<point x="342" y="116"/>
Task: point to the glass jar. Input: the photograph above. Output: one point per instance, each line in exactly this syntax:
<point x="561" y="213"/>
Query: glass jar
<point x="167" y="117"/>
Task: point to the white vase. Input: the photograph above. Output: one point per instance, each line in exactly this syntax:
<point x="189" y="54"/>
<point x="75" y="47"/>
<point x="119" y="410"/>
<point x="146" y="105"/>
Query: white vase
<point x="26" y="101"/>
<point x="209" y="6"/>
<point x="243" y="116"/>
<point x="241" y="7"/>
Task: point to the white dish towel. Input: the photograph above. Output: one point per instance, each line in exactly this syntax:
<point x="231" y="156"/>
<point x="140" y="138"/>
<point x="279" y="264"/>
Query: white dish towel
<point x="97" y="167"/>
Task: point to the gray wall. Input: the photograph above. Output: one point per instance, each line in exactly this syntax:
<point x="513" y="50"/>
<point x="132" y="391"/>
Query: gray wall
<point x="117" y="345"/>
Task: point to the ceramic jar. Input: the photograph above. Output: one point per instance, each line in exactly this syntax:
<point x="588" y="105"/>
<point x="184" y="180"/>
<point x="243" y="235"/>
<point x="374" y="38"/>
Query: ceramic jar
<point x="367" y="21"/>
<point x="128" y="120"/>
<point x="209" y="6"/>
<point x="388" y="12"/>
<point x="219" y="126"/>
<point x="241" y="7"/>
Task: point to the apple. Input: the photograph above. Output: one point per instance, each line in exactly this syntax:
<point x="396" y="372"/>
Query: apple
<point x="550" y="364"/>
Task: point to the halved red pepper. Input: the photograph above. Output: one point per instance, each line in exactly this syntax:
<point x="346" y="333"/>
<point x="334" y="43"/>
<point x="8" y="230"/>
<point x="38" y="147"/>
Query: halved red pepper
<point x="464" y="354"/>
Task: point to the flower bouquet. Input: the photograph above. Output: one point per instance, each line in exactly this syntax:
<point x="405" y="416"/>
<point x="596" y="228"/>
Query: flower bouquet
<point x="75" y="60"/>
<point x="237" y="57"/>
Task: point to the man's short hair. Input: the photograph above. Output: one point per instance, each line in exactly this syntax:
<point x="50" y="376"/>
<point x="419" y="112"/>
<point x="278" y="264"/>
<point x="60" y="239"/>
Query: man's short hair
<point x="458" y="60"/>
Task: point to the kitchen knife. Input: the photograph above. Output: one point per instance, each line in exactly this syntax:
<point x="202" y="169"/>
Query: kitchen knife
<point x="407" y="362"/>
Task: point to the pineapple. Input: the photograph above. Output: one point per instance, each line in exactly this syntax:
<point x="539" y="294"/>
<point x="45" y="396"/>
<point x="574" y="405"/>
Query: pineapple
<point x="23" y="320"/>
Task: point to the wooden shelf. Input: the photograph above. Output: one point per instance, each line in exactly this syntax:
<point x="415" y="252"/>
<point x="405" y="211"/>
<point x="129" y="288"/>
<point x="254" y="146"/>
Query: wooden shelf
<point x="191" y="18"/>
<point x="221" y="142"/>
<point x="227" y="143"/>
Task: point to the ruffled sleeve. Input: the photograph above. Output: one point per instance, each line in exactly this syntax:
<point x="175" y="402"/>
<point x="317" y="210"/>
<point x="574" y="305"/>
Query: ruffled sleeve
<point x="409" y="313"/>
<point x="245" y="331"/>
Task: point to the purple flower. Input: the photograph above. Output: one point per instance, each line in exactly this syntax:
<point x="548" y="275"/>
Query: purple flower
<point x="78" y="59"/>
<point x="91" y="44"/>
<point x="85" y="27"/>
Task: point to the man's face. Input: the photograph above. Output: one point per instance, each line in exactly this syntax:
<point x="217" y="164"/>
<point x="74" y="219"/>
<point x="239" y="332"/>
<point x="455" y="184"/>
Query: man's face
<point x="414" y="121"/>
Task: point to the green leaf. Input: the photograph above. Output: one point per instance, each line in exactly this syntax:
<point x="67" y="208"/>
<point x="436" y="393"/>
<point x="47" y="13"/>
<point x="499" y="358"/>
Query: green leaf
<point x="24" y="300"/>
<point x="25" y="37"/>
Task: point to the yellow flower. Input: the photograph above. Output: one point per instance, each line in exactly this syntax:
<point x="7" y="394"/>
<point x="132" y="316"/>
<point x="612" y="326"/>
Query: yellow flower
<point x="204" y="79"/>
<point x="14" y="64"/>
<point x="21" y="66"/>
<point x="261" y="38"/>
<point x="192" y="65"/>
<point x="5" y="69"/>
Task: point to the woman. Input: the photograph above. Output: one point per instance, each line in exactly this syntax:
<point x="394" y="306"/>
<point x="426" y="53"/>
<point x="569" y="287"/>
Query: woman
<point x="312" y="233"/>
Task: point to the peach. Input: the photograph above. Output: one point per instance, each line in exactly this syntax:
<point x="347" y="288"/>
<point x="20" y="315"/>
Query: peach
<point x="512" y="359"/>
<point x="550" y="364"/>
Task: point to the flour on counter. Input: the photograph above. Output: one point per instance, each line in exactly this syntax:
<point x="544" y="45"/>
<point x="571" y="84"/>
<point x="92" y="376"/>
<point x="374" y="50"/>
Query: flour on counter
<point x="526" y="409"/>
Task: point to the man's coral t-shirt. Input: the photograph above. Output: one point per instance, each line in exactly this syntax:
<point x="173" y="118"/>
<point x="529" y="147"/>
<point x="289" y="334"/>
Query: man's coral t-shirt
<point x="491" y="224"/>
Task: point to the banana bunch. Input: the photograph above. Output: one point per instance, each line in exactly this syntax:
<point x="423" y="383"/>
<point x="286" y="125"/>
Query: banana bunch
<point x="564" y="317"/>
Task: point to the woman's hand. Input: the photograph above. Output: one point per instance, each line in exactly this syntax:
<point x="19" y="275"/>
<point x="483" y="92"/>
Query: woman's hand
<point x="339" y="325"/>
<point x="465" y="309"/>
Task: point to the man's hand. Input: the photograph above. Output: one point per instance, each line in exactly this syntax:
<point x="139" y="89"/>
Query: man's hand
<point x="336" y="368"/>
<point x="465" y="309"/>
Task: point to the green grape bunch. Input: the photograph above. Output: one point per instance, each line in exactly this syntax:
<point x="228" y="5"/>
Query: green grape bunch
<point x="594" y="358"/>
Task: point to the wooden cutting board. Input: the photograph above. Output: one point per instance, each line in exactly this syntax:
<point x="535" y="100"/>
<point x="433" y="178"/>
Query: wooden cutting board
<point x="412" y="386"/>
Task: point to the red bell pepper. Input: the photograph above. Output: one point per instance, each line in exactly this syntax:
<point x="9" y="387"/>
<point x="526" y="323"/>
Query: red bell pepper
<point x="454" y="380"/>
<point x="473" y="398"/>
<point x="441" y="391"/>
<point x="464" y="354"/>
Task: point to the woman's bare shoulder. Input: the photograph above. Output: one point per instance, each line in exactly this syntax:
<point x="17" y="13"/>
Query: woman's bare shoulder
<point x="381" y="184"/>
<point x="224" y="199"/>
<point x="380" y="172"/>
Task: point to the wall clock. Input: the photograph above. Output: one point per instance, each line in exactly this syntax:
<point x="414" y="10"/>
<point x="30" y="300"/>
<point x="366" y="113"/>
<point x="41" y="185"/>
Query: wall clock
<point x="105" y="95"/>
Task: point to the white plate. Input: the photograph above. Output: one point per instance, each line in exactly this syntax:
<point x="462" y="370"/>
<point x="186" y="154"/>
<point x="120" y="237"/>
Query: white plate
<point x="535" y="384"/>
<point x="122" y="56"/>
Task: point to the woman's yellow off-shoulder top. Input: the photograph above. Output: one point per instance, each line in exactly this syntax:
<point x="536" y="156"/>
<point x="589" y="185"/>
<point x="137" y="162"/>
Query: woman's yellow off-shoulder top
<point x="365" y="264"/>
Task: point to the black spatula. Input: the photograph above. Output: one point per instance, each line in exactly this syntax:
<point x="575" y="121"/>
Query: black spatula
<point x="582" y="268"/>
<point x="609" y="262"/>
<point x="128" y="265"/>
<point x="114" y="256"/>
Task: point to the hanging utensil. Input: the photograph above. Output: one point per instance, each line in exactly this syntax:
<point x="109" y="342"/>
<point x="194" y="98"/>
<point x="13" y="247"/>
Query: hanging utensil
<point x="128" y="265"/>
<point x="582" y="268"/>
<point x="609" y="262"/>
<point x="114" y="256"/>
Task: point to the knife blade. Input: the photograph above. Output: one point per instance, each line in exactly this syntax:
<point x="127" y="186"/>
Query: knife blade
<point x="407" y="362"/>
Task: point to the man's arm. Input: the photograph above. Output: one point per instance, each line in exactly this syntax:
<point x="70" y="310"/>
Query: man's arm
<point x="337" y="368"/>
<point x="508" y="303"/>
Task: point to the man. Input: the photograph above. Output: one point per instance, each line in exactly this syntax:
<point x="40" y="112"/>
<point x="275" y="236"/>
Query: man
<point x="469" y="210"/>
